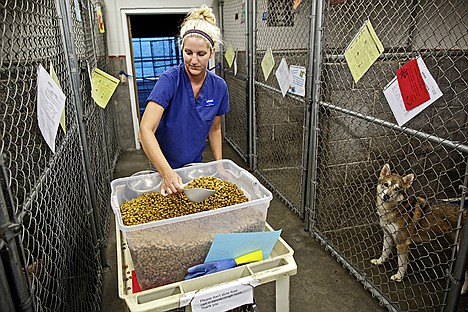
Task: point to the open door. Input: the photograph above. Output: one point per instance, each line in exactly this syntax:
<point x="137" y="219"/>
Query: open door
<point x="154" y="46"/>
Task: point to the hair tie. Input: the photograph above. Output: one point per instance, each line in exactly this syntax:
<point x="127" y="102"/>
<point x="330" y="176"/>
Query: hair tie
<point x="199" y="32"/>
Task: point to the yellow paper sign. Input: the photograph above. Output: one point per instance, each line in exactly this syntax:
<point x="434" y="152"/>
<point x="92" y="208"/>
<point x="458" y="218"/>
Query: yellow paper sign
<point x="229" y="55"/>
<point x="103" y="86"/>
<point x="363" y="51"/>
<point x="55" y="78"/>
<point x="268" y="62"/>
<point x="100" y="21"/>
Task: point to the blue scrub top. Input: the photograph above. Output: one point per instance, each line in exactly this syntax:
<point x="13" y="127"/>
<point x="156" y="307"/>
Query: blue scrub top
<point x="185" y="123"/>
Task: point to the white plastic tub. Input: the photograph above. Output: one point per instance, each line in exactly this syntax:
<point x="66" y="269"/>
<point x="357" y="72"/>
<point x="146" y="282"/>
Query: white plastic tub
<point x="162" y="251"/>
<point x="278" y="268"/>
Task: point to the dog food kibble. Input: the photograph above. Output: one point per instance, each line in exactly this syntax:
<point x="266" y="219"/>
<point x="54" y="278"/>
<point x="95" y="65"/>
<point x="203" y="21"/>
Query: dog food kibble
<point x="154" y="206"/>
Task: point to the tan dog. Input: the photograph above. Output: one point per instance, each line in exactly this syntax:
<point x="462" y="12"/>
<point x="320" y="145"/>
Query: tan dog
<point x="409" y="219"/>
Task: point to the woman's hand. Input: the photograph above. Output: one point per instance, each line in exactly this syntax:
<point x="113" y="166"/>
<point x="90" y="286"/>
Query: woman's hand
<point x="171" y="183"/>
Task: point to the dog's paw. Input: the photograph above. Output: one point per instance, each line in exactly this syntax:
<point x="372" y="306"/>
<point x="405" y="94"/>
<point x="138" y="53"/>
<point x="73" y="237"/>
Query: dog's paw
<point x="397" y="277"/>
<point x="377" y="261"/>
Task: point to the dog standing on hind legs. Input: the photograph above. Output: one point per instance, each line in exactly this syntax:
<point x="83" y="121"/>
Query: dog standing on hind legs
<point x="409" y="219"/>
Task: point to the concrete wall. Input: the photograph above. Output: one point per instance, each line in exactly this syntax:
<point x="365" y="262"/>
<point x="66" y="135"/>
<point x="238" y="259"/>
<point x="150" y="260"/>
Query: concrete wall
<point x="123" y="105"/>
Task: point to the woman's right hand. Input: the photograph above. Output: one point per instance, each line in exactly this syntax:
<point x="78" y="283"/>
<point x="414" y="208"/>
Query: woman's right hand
<point x="171" y="183"/>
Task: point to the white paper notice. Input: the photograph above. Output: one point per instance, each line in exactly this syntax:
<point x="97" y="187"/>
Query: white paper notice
<point x="298" y="80"/>
<point x="50" y="104"/>
<point x="282" y="75"/>
<point x="222" y="298"/>
<point x="393" y="95"/>
<point x="235" y="64"/>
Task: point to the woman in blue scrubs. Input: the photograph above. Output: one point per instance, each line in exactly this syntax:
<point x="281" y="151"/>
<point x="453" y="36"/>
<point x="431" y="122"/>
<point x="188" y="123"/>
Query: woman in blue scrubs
<point x="186" y="104"/>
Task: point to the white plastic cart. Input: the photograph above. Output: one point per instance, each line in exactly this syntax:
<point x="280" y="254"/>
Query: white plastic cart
<point x="278" y="268"/>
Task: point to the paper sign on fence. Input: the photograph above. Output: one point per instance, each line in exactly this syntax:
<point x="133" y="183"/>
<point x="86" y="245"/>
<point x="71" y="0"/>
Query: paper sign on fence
<point x="268" y="62"/>
<point x="411" y="84"/>
<point x="100" y="20"/>
<point x="282" y="75"/>
<point x="103" y="86"/>
<point x="229" y="55"/>
<point x="298" y="80"/>
<point x="363" y="51"/>
<point x="235" y="65"/>
<point x="393" y="95"/>
<point x="50" y="104"/>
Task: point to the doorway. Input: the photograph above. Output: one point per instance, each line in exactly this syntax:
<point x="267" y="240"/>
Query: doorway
<point x="155" y="48"/>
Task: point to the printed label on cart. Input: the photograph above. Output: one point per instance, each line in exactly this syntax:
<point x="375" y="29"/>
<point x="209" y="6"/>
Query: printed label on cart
<point x="222" y="298"/>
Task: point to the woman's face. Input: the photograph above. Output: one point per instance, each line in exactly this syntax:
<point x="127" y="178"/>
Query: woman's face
<point x="197" y="53"/>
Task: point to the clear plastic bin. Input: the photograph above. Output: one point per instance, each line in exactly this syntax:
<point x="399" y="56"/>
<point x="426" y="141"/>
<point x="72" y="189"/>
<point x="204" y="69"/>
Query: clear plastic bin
<point x="162" y="251"/>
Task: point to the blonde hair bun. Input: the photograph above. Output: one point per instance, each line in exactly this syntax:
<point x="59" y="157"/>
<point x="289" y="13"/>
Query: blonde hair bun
<point x="203" y="20"/>
<point x="204" y="13"/>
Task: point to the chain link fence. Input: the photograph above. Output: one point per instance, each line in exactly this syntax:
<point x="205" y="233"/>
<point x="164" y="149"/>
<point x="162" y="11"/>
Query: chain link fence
<point x="265" y="127"/>
<point x="91" y="50"/>
<point x="358" y="135"/>
<point x="322" y="153"/>
<point x="281" y="120"/>
<point x="60" y="199"/>
<point x="234" y="28"/>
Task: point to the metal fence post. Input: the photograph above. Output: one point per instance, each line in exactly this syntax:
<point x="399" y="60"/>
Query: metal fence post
<point x="21" y="295"/>
<point x="310" y="85"/>
<point x="251" y="4"/>
<point x="458" y="276"/>
<point x="220" y="60"/>
<point x="311" y="171"/>
<point x="5" y="294"/>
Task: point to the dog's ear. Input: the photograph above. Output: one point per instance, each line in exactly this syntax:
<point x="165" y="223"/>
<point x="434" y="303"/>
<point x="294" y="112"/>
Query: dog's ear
<point x="385" y="171"/>
<point x="408" y="180"/>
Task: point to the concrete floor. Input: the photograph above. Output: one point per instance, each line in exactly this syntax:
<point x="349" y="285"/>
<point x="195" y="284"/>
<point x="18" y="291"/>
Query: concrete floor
<point x="321" y="283"/>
